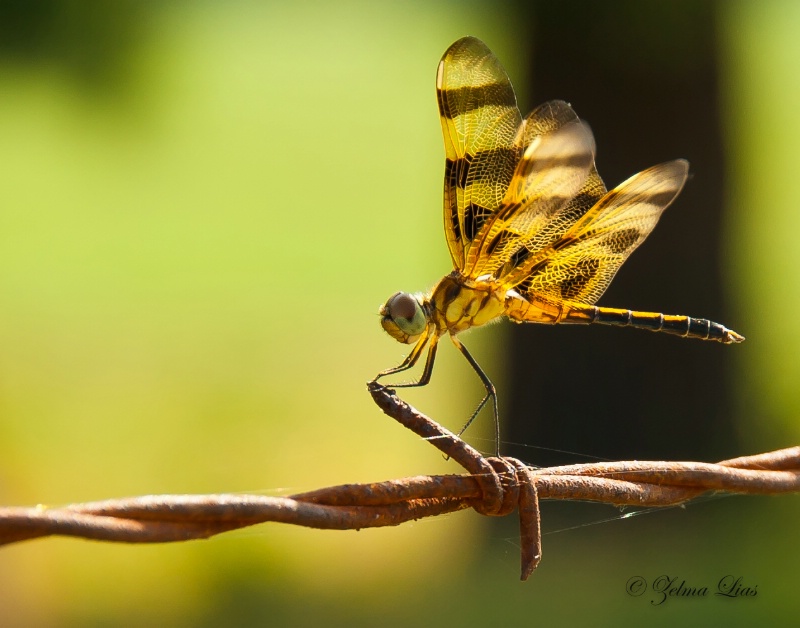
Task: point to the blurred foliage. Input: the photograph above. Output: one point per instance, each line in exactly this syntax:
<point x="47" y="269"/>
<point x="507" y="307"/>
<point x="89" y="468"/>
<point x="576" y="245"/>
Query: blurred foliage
<point x="762" y="93"/>
<point x="91" y="41"/>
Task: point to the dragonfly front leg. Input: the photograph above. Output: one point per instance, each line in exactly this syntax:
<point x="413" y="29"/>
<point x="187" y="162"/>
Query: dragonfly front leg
<point x="491" y="393"/>
<point x="411" y="360"/>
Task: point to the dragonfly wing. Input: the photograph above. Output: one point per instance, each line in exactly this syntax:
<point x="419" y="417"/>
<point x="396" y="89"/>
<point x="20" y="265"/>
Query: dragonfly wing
<point x="480" y="120"/>
<point x="554" y="183"/>
<point x="579" y="266"/>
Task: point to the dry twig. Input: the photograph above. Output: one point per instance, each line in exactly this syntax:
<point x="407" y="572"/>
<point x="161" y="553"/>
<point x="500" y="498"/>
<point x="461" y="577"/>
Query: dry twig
<point x="494" y="486"/>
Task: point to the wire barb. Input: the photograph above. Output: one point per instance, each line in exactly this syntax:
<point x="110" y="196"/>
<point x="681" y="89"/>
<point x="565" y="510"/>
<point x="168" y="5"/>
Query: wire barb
<point x="494" y="487"/>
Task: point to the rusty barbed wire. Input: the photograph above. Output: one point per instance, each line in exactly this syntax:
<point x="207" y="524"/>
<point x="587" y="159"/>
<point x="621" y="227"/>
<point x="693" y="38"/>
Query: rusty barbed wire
<point x="494" y="487"/>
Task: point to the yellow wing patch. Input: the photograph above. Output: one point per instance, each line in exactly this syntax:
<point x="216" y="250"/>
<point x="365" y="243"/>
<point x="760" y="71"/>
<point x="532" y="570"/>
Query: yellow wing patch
<point x="551" y="172"/>
<point x="579" y="266"/>
<point x="480" y="120"/>
<point x="506" y="178"/>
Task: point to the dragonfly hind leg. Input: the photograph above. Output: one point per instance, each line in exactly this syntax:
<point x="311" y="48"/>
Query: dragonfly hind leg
<point x="491" y="393"/>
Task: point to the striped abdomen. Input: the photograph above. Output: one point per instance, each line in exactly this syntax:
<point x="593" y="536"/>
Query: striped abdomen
<point x="671" y="324"/>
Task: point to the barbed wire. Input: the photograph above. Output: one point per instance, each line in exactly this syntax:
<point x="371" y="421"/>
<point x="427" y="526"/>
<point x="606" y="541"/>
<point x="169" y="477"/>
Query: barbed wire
<point x="493" y="487"/>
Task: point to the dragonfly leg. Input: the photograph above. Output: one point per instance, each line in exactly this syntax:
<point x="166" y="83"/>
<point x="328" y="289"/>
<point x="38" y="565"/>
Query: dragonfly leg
<point x="491" y="393"/>
<point x="427" y="371"/>
<point x="411" y="360"/>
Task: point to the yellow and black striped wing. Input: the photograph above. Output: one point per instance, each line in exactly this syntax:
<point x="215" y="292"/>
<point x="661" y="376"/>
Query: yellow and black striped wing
<point x="579" y="266"/>
<point x="480" y="120"/>
<point x="554" y="184"/>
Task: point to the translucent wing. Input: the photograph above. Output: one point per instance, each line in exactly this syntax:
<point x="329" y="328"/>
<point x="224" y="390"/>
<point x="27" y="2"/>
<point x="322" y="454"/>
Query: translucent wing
<point x="480" y="120"/>
<point x="511" y="186"/>
<point x="579" y="266"/>
<point x="530" y="245"/>
<point x="554" y="183"/>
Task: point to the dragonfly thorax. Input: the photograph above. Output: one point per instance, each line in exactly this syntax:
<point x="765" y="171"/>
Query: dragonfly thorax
<point x="458" y="303"/>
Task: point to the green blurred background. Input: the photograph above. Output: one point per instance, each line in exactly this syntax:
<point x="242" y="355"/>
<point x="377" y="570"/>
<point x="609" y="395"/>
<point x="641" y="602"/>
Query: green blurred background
<point x="202" y="206"/>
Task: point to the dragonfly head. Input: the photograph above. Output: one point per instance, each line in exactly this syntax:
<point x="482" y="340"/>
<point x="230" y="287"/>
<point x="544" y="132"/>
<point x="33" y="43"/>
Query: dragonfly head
<point x="403" y="317"/>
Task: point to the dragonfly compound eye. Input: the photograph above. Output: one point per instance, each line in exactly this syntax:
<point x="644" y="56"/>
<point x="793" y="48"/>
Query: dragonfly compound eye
<point x="403" y="317"/>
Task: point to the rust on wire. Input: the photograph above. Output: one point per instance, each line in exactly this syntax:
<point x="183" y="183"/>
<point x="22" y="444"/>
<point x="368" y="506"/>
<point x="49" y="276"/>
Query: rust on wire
<point x="494" y="486"/>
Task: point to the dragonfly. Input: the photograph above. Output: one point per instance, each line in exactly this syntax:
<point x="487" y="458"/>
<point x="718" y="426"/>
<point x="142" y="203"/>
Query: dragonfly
<point x="533" y="233"/>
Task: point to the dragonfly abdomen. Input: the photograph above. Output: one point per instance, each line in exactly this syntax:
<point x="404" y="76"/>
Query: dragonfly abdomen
<point x="677" y="325"/>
